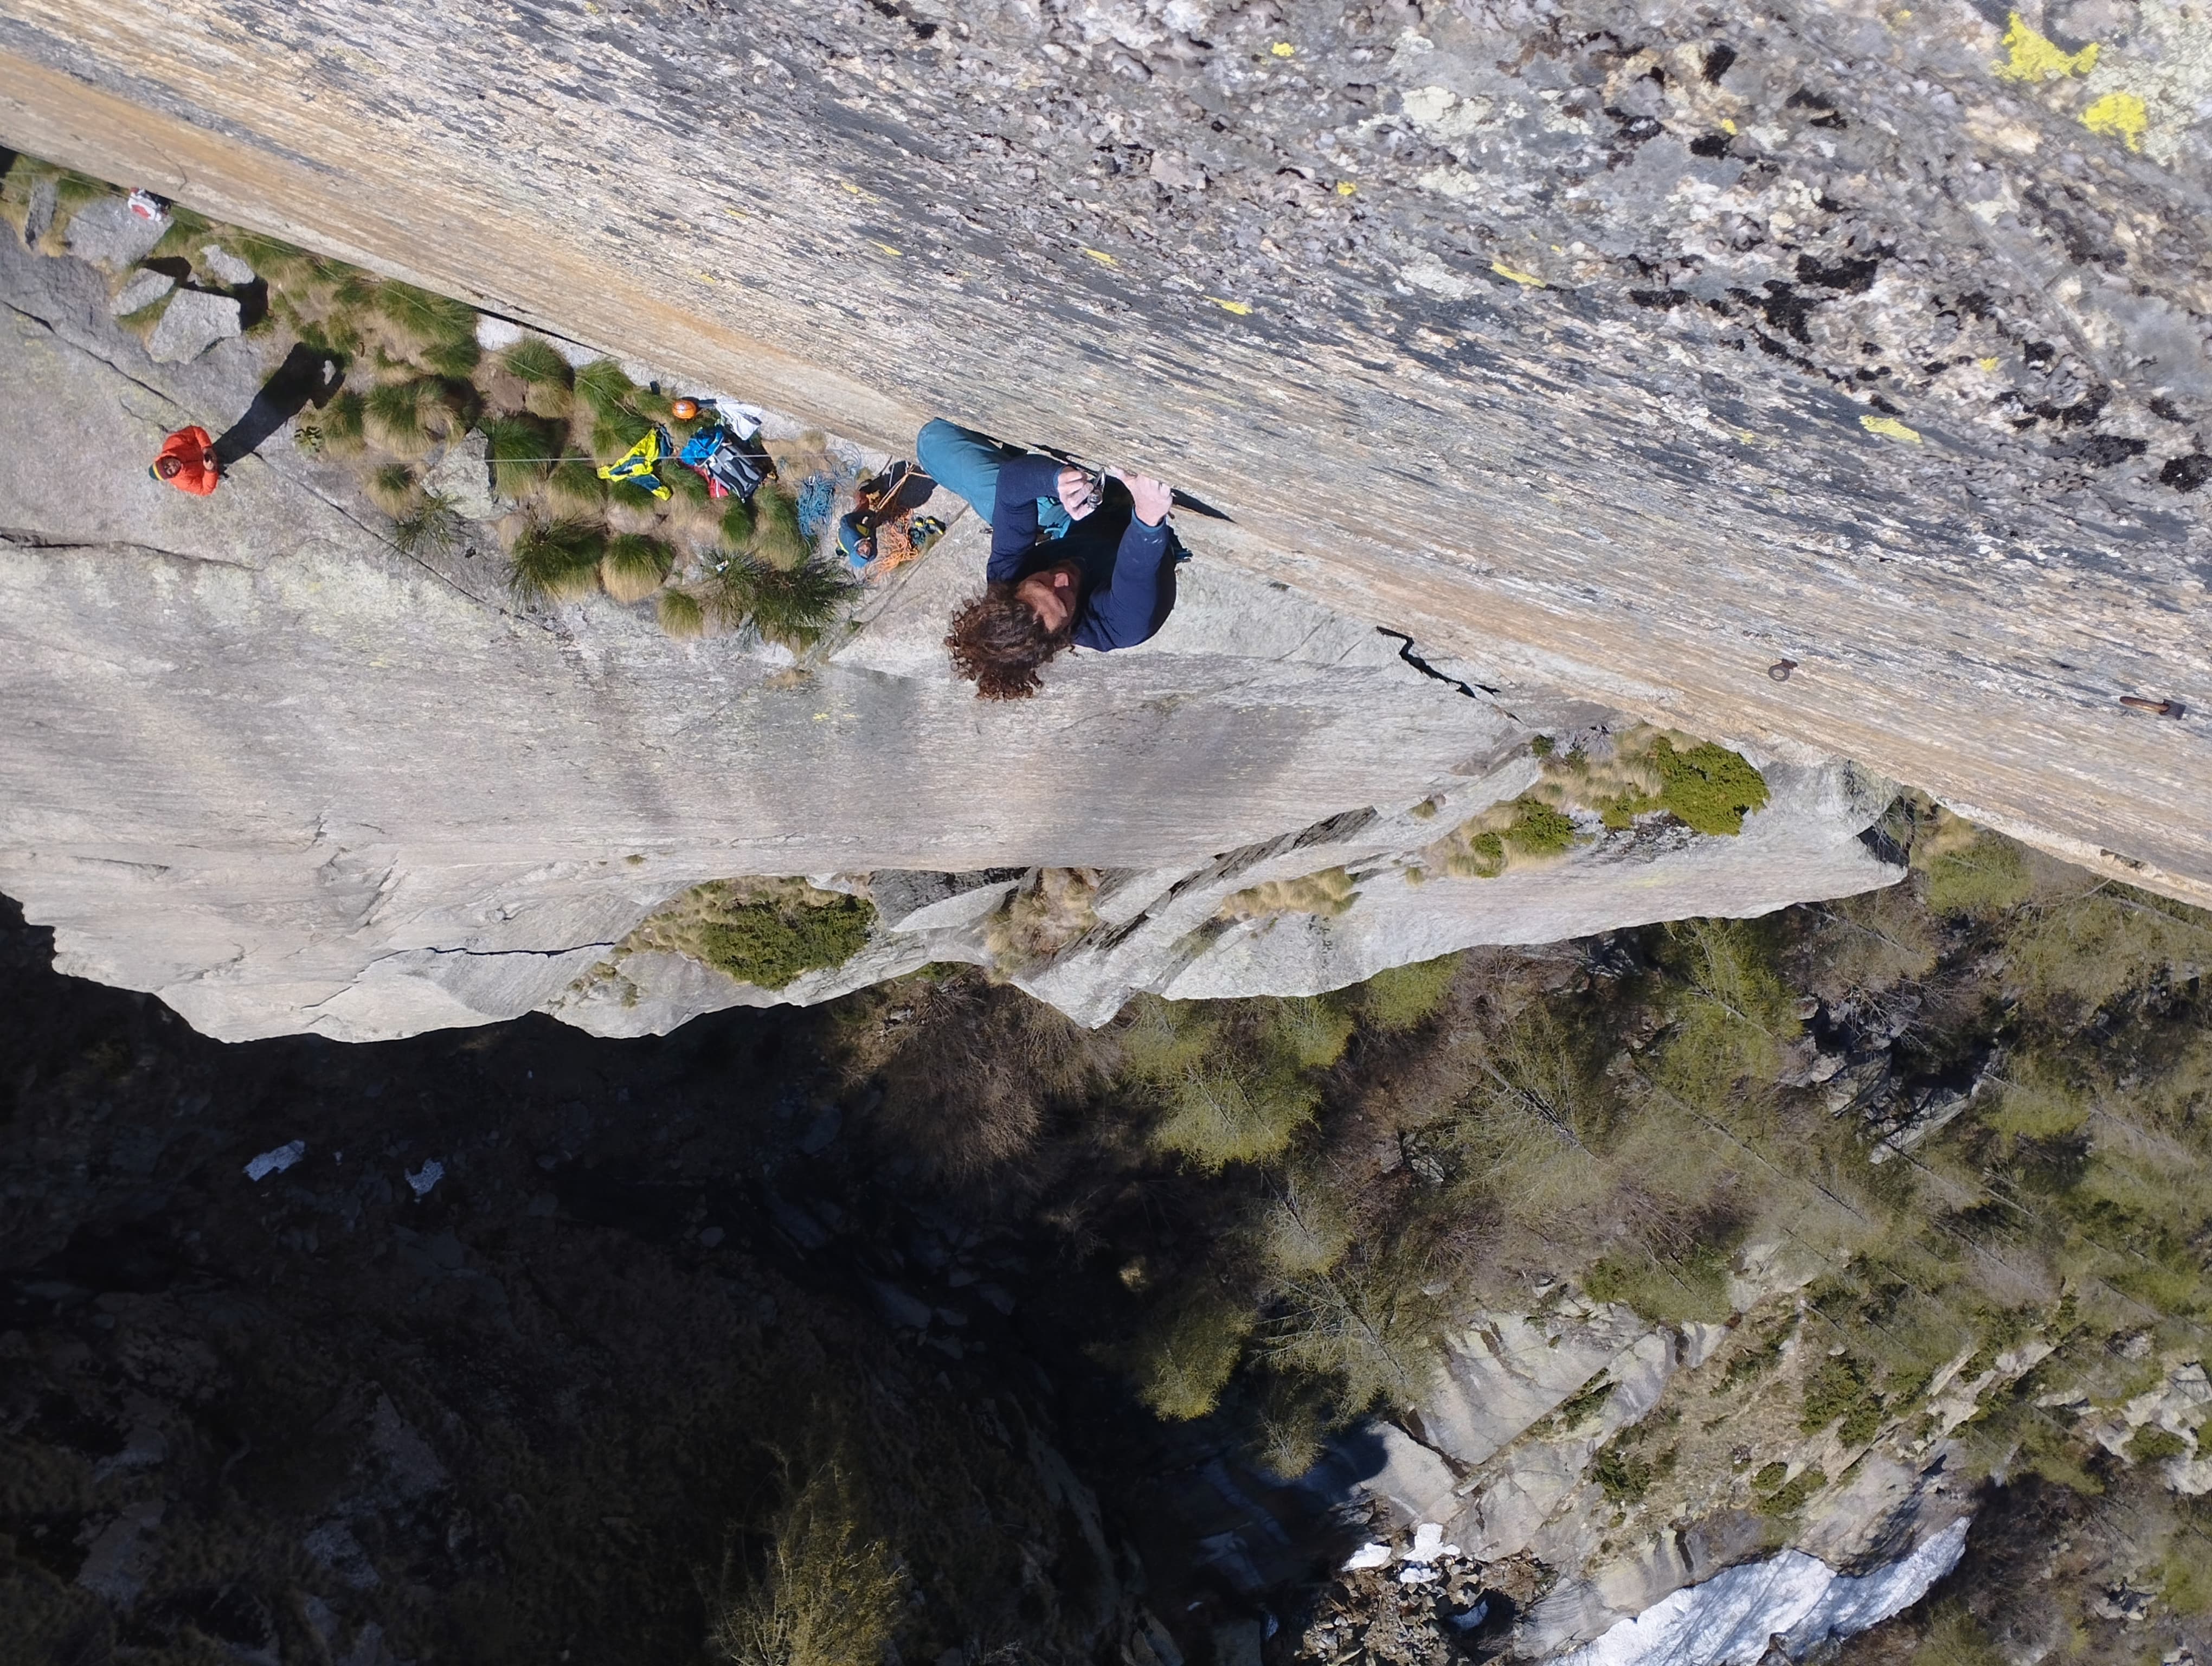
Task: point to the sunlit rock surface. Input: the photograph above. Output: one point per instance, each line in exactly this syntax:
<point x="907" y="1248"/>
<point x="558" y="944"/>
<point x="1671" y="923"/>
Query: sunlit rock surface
<point x="268" y="767"/>
<point x="1628" y="350"/>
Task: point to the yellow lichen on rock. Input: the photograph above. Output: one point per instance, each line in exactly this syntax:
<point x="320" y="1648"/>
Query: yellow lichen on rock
<point x="1890" y="429"/>
<point x="2034" y="57"/>
<point x="2120" y="116"/>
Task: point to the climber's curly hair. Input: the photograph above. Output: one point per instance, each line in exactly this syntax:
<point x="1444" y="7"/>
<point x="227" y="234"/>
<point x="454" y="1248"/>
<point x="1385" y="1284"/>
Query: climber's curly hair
<point x="998" y="643"/>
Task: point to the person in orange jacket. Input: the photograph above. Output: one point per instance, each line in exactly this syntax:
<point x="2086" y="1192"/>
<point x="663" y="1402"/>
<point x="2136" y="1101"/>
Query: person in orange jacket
<point x="188" y="462"/>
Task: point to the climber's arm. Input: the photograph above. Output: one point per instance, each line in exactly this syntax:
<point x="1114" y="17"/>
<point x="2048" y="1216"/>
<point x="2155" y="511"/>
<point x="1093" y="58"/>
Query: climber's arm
<point x="1022" y="482"/>
<point x="1122" y="613"/>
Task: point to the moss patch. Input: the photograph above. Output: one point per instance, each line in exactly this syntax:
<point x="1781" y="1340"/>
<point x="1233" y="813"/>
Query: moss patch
<point x="1842" y="1387"/>
<point x="1787" y="1498"/>
<point x="764" y="932"/>
<point x="1709" y="788"/>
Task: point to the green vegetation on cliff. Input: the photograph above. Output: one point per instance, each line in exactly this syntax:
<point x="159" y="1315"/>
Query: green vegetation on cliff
<point x="1967" y="1120"/>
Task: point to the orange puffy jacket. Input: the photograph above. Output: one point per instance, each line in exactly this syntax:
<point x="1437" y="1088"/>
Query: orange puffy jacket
<point x="189" y="446"/>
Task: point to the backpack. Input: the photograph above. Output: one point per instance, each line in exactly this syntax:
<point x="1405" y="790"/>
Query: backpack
<point x="732" y="467"/>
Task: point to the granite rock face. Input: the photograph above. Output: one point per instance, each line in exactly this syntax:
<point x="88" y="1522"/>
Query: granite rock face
<point x="143" y="290"/>
<point x="289" y="778"/>
<point x="193" y="321"/>
<point x="108" y="234"/>
<point x="1630" y="349"/>
<point x="1668" y="1572"/>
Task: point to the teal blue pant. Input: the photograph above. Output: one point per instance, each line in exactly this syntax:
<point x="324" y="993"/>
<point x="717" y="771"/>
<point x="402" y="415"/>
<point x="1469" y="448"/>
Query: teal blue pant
<point x="966" y="464"/>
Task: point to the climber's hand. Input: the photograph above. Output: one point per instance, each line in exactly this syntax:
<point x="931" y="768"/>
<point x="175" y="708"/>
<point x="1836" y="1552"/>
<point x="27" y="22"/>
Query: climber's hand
<point x="1153" y="498"/>
<point x="1077" y="494"/>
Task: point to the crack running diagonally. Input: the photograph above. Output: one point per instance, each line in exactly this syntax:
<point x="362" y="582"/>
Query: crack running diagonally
<point x="1406" y="653"/>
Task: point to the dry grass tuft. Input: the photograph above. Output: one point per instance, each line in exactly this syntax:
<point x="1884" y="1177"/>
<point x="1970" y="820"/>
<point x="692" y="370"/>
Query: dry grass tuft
<point x="1041" y="918"/>
<point x="392" y="487"/>
<point x="1326" y="893"/>
<point x="680" y="614"/>
<point x="830" y="1591"/>
<point x="635" y="567"/>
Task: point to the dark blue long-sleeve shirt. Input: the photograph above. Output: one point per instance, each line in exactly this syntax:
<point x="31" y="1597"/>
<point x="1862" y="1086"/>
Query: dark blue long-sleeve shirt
<point x="1128" y="567"/>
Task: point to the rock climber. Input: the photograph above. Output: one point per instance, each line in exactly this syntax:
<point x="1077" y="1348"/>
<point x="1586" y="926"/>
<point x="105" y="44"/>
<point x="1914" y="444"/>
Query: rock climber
<point x="1075" y="558"/>
<point x="188" y="462"/>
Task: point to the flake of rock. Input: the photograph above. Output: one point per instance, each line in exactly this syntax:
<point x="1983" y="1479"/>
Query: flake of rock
<point x="108" y="234"/>
<point x="1172" y="168"/>
<point x="193" y="322"/>
<point x="420" y="1181"/>
<point x="144" y="289"/>
<point x="122" y="1556"/>
<point x="38" y="215"/>
<point x="462" y="475"/>
<point x="227" y="266"/>
<point x="334" y="1546"/>
<point x="276" y="1159"/>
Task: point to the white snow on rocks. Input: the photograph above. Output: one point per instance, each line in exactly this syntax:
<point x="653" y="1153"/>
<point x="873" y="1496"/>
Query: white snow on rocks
<point x="1733" y="1618"/>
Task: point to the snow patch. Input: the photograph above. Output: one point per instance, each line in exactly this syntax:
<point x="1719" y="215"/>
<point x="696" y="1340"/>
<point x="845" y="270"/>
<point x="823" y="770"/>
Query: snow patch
<point x="1731" y="1617"/>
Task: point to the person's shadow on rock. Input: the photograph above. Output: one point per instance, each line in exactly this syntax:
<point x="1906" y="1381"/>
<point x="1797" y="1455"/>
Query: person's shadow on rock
<point x="306" y="377"/>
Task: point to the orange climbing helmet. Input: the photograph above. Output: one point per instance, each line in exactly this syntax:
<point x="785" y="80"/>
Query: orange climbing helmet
<point x="684" y="410"/>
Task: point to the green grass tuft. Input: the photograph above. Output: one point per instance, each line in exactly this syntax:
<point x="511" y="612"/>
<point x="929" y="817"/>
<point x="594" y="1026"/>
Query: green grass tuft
<point x="1664" y="1290"/>
<point x="536" y="361"/>
<point x="769" y="943"/>
<point x="737" y="523"/>
<point x="575" y="486"/>
<point x="393" y="486"/>
<point x="557" y="560"/>
<point x="430" y="526"/>
<point x="343" y="420"/>
<point x="1538" y="830"/>
<point x="602" y="385"/>
<point x="615" y="432"/>
<point x="394" y="416"/>
<point x="775" y="537"/>
<point x="791" y="606"/>
<point x="680" y="614"/>
<point x="517" y="448"/>
<point x="1787" y="1498"/>
<point x="455" y="358"/>
<point x="1842" y="1388"/>
<point x="2151" y="1444"/>
<point x="435" y="318"/>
